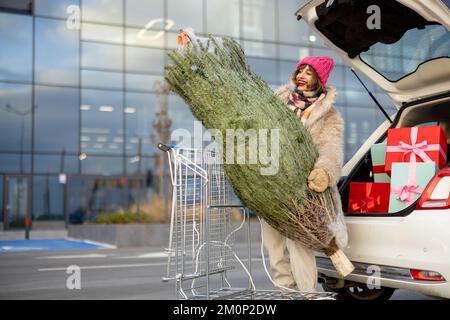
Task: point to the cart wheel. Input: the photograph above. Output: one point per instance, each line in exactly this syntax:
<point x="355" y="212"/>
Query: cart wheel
<point x="361" y="292"/>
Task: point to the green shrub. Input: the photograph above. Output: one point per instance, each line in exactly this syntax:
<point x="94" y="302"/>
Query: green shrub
<point x="123" y="218"/>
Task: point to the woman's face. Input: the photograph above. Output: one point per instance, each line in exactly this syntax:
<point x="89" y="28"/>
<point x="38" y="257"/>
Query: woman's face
<point x="304" y="78"/>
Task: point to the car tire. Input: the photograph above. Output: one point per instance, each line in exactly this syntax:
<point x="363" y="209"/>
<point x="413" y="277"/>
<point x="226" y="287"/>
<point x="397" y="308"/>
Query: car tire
<point x="361" y="292"/>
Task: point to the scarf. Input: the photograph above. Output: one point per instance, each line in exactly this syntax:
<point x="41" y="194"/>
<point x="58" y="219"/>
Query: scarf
<point x="299" y="101"/>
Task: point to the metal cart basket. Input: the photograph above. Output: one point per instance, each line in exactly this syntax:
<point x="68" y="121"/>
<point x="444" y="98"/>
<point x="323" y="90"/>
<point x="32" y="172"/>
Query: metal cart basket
<point x="201" y="252"/>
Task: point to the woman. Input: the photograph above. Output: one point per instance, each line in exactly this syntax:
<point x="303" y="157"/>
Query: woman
<point x="312" y="101"/>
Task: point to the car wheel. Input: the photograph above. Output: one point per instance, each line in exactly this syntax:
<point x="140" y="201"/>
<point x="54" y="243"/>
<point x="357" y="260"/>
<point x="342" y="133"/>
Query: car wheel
<point x="361" y="292"/>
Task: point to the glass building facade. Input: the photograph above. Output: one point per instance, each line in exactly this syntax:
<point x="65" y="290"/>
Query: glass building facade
<point x="81" y="106"/>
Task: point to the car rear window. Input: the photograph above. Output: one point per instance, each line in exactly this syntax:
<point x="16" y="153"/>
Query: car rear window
<point x="398" y="59"/>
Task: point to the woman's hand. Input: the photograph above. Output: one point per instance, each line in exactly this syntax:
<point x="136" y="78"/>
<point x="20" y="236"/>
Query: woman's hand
<point x="318" y="180"/>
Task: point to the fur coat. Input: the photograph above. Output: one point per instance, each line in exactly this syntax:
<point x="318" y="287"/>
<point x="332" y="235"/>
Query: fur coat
<point x="326" y="127"/>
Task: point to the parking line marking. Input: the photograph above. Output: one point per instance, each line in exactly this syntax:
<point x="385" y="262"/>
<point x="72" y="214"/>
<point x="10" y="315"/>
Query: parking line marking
<point x="116" y="266"/>
<point x="112" y="266"/>
<point x="150" y="255"/>
<point x="78" y="256"/>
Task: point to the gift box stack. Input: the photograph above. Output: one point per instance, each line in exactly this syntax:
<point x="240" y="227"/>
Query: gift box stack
<point x="402" y="168"/>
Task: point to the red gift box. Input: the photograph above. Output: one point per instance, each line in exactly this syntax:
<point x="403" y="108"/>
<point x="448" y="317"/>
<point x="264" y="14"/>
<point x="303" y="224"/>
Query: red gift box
<point x="368" y="197"/>
<point x="426" y="144"/>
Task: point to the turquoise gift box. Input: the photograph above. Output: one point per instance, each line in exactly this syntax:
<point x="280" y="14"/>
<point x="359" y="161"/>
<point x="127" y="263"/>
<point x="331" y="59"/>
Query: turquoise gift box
<point x="378" y="154"/>
<point x="424" y="172"/>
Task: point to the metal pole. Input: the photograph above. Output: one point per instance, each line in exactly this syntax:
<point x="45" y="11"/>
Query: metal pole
<point x="66" y="213"/>
<point x="372" y="96"/>
<point x="206" y="233"/>
<point x="22" y="129"/>
<point x="247" y="214"/>
<point x="28" y="215"/>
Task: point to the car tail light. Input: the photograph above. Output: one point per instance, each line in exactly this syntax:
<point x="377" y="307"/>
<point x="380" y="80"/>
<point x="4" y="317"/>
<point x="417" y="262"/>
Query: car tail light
<point x="426" y="275"/>
<point x="437" y="193"/>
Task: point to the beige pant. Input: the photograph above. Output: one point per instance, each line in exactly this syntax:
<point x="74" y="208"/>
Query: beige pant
<point x="291" y="263"/>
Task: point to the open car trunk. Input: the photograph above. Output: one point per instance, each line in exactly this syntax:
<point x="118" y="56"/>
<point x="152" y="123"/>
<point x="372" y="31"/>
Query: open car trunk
<point x="432" y="111"/>
<point x="403" y="47"/>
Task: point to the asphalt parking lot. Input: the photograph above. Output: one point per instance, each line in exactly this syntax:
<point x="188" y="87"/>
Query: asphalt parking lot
<point x="104" y="273"/>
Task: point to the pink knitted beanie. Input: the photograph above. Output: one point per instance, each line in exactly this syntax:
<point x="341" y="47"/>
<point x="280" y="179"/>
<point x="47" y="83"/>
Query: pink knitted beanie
<point x="322" y="66"/>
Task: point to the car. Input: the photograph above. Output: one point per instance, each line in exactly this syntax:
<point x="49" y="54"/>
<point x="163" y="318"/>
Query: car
<point x="409" y="249"/>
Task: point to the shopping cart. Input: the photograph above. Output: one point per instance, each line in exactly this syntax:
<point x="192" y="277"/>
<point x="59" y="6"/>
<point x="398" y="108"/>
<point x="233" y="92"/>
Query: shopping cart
<point x="202" y="247"/>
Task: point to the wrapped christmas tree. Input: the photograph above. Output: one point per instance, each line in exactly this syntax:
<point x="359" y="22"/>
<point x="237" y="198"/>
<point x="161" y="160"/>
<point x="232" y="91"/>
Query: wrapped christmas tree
<point x="212" y="76"/>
